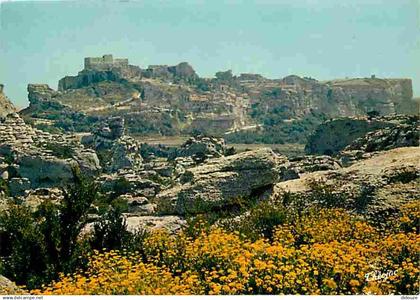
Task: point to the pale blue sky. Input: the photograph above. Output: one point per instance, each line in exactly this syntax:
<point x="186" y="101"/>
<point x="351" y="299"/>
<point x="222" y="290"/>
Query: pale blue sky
<point x="325" y="39"/>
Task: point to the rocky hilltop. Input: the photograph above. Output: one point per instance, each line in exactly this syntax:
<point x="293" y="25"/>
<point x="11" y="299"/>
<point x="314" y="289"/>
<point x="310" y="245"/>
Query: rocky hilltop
<point x="171" y="100"/>
<point x="6" y="107"/>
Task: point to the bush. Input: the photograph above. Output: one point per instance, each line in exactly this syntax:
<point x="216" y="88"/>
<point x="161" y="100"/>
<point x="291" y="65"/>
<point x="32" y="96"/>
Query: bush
<point x="260" y="220"/>
<point x="40" y="243"/>
<point x="110" y="232"/>
<point x="60" y="151"/>
<point x="23" y="247"/>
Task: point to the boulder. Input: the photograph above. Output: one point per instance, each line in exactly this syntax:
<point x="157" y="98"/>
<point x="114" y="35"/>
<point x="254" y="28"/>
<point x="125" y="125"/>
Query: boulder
<point x="333" y="136"/>
<point x="217" y="183"/>
<point x="18" y="186"/>
<point x="183" y="70"/>
<point x="201" y="148"/>
<point x="44" y="171"/>
<point x="363" y="133"/>
<point x="138" y="205"/>
<point x="401" y="135"/>
<point x="149" y="223"/>
<point x="312" y="163"/>
<point x="129" y="183"/>
<point x="404" y="133"/>
<point x="33" y="198"/>
<point x="136" y="223"/>
<point x="375" y="186"/>
<point x="8" y="287"/>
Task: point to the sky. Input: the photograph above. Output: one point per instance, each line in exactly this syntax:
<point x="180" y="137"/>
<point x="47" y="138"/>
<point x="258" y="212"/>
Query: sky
<point x="41" y="42"/>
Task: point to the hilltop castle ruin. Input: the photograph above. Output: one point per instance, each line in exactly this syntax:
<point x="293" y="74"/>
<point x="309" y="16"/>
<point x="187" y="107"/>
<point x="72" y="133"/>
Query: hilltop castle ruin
<point x="105" y="62"/>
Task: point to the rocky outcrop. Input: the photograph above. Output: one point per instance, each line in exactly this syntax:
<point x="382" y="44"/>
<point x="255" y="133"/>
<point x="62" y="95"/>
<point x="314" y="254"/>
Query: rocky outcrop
<point x="40" y="93"/>
<point x="121" y="72"/>
<point x="171" y="224"/>
<point x="184" y="71"/>
<point x="313" y="163"/>
<point x="34" y="159"/>
<point x="374" y="187"/>
<point x="333" y="136"/>
<point x="121" y="151"/>
<point x="8" y="287"/>
<point x="220" y="181"/>
<point x="105" y="135"/>
<point x="125" y="155"/>
<point x="404" y="134"/>
<point x="201" y="148"/>
<point x="6" y="107"/>
<point x="86" y="78"/>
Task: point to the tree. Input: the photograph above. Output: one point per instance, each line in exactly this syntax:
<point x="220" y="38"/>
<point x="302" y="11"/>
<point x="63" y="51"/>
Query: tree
<point x="224" y="76"/>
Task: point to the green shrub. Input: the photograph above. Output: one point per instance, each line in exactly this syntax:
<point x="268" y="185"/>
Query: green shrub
<point x="110" y="231"/>
<point x="325" y="195"/>
<point x="38" y="244"/>
<point x="260" y="220"/>
<point x="60" y="151"/>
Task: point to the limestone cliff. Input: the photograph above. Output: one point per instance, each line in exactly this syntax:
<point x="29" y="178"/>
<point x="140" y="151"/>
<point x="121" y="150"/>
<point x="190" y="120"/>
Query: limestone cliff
<point x="386" y="96"/>
<point x="6" y="107"/>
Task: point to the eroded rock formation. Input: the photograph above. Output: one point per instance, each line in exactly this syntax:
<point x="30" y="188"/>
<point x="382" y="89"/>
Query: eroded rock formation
<point x="201" y="148"/>
<point x="333" y="136"/>
<point x="30" y="158"/>
<point x="217" y="183"/>
<point x="6" y="107"/>
<point x="121" y="151"/>
<point x="375" y="186"/>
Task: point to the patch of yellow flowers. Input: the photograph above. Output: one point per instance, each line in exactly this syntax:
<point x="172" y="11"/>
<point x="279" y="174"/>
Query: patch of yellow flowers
<point x="325" y="252"/>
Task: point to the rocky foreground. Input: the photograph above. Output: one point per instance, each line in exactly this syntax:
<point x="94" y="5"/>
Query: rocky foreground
<point x="203" y="175"/>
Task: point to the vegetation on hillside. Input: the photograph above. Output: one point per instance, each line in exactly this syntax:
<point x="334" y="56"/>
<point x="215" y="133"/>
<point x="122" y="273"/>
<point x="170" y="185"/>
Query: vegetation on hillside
<point x="277" y="128"/>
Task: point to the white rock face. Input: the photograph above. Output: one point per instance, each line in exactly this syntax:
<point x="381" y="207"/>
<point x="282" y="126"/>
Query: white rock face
<point x="35" y="159"/>
<point x="219" y="181"/>
<point x="382" y="182"/>
<point x="169" y="223"/>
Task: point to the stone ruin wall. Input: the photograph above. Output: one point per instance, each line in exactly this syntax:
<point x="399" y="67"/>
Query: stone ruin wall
<point x="105" y="62"/>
